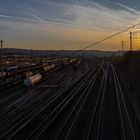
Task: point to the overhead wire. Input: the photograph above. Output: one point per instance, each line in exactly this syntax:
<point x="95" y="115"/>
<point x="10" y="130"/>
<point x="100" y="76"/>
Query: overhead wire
<point x="102" y="40"/>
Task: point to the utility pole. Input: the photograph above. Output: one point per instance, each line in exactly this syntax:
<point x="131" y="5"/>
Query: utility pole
<point x="28" y="62"/>
<point x="131" y="42"/>
<point x="1" y="42"/>
<point x="46" y="53"/>
<point x="83" y="54"/>
<point x="31" y="56"/>
<point x="122" y="47"/>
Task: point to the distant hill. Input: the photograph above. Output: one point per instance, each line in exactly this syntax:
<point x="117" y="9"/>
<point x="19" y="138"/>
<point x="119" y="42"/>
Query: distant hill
<point x="87" y="53"/>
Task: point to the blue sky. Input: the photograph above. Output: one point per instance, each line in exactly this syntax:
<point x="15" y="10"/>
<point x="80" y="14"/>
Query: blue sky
<point x="64" y="24"/>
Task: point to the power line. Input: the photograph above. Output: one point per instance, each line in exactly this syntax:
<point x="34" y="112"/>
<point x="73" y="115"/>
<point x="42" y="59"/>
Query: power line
<point x="100" y="41"/>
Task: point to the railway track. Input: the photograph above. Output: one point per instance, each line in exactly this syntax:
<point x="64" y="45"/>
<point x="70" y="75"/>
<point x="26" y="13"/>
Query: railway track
<point x="17" y="93"/>
<point x="57" y="97"/>
<point x="87" y="105"/>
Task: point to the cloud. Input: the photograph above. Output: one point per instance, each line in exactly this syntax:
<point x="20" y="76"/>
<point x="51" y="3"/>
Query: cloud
<point x="79" y="13"/>
<point x="125" y="7"/>
<point x="99" y="16"/>
<point x="64" y="21"/>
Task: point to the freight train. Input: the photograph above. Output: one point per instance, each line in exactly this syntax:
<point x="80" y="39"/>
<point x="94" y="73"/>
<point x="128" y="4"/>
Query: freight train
<point x="14" y="74"/>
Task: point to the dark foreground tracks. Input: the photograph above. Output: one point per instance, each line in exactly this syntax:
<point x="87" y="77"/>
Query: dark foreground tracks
<point x="92" y="107"/>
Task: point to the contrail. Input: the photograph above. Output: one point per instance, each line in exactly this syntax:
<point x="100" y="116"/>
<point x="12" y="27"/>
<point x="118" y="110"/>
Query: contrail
<point x="20" y="18"/>
<point x="52" y="22"/>
<point x="35" y="16"/>
<point x="33" y="20"/>
<point x="124" y="6"/>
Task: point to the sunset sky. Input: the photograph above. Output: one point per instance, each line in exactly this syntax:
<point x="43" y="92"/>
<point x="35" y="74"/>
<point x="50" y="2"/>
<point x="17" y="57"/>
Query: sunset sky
<point x="67" y="24"/>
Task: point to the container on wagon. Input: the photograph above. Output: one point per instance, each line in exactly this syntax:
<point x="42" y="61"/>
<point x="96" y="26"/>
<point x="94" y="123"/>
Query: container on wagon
<point x="33" y="80"/>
